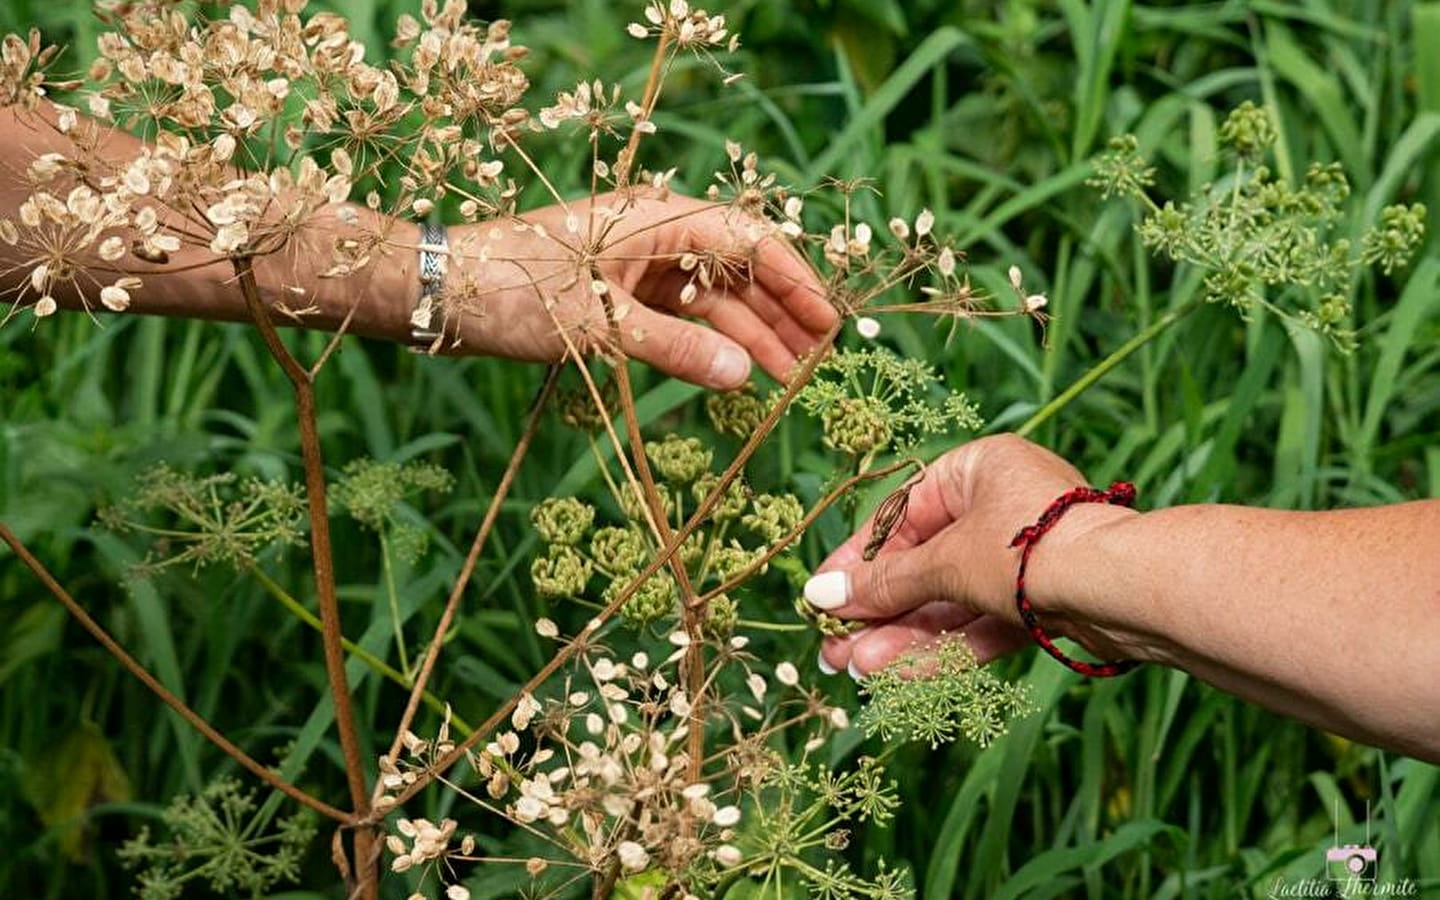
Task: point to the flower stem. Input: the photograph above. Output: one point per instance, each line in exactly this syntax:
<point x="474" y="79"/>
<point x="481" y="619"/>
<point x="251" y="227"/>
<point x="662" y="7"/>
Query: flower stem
<point x="376" y="664"/>
<point x="482" y="534"/>
<point x="394" y="600"/>
<point x="365" y="873"/>
<point x="1102" y="368"/>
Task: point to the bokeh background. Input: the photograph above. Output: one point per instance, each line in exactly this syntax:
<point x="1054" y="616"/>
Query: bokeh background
<point x="986" y="112"/>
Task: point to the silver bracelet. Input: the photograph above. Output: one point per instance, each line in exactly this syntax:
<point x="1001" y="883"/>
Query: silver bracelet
<point x="426" y="328"/>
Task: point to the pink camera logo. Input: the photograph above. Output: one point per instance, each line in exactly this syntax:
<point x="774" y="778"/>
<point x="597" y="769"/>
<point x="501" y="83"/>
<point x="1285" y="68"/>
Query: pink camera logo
<point x="1351" y="862"/>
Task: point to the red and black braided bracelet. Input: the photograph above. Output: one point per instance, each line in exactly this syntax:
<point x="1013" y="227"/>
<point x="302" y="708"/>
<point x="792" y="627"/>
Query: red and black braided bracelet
<point x="1121" y="493"/>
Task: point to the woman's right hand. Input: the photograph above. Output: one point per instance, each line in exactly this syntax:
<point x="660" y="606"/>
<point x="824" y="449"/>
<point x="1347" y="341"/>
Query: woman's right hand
<point x="949" y="568"/>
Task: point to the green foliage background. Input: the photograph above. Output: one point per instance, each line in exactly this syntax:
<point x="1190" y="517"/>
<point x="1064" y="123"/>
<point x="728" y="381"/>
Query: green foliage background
<point x="984" y="110"/>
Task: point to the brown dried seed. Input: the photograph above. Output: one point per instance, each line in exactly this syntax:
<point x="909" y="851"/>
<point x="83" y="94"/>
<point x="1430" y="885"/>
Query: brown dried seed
<point x="890" y="516"/>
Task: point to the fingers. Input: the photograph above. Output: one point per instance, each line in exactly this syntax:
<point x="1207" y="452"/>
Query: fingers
<point x="684" y="349"/>
<point x="890" y="585"/>
<point x="797" y="337"/>
<point x="738" y="320"/>
<point x="935" y="502"/>
<point x="910" y="636"/>
<point x="785" y="275"/>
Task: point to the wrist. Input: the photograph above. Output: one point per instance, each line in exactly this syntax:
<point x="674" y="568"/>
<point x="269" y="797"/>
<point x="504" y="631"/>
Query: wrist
<point x="1079" y="581"/>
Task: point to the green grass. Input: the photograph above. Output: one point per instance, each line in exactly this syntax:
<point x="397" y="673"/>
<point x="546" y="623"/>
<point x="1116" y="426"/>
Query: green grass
<point x="1153" y="786"/>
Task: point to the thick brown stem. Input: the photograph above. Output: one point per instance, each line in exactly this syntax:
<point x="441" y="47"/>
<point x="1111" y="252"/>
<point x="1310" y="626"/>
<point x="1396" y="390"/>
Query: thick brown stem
<point x="322" y="557"/>
<point x="693" y="665"/>
<point x="150" y="681"/>
<point x="625" y="161"/>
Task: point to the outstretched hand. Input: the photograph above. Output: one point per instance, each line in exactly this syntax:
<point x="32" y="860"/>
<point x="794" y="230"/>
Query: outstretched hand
<point x="949" y="569"/>
<point x="526" y="289"/>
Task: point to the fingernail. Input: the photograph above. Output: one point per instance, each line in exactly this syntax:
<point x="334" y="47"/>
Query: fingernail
<point x="730" y="367"/>
<point x="854" y="673"/>
<point x="827" y="590"/>
<point x="824" y="667"/>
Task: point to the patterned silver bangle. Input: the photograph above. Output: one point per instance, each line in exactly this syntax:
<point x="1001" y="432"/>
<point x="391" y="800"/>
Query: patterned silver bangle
<point x="426" y="327"/>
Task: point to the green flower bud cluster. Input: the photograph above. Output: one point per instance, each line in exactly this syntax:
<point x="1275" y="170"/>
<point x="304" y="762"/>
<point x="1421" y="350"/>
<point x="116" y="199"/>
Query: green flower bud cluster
<point x="955" y="697"/>
<point x="872" y="400"/>
<point x="1333" y="309"/>
<point x="561" y="572"/>
<point x="856" y="425"/>
<point x="372" y="493"/>
<point x="732" y="503"/>
<point x="577" y="407"/>
<point x="1236" y="283"/>
<point x="632" y="503"/>
<point x="619" y="551"/>
<point x="736" y="413"/>
<point x="562" y="520"/>
<point x="1264" y="243"/>
<point x="1249" y="130"/>
<point x="826" y="624"/>
<point x="773" y="516"/>
<point x="692" y="551"/>
<point x="679" y="460"/>
<point x="721" y="616"/>
<point x="654" y="600"/>
<point x="1121" y="171"/>
<point x="1395" y="241"/>
<point x="732" y="559"/>
<point x="738" y="531"/>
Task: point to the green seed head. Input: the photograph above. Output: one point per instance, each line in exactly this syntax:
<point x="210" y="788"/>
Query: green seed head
<point x="1249" y="131"/>
<point x="736" y="413"/>
<point x="679" y="460"/>
<point x="856" y="425"/>
<point x="562" y="520"/>
<point x="774" y="515"/>
<point x="652" y="601"/>
<point x="732" y="503"/>
<point x="720" y="617"/>
<point x="619" y="551"/>
<point x="561" y="572"/>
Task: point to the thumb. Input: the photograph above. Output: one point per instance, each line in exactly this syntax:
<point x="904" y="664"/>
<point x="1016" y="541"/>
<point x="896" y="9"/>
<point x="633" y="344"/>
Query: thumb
<point x="684" y="349"/>
<point x="889" y="585"/>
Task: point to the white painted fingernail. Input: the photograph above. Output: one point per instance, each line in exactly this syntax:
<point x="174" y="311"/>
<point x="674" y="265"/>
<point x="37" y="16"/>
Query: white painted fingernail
<point x="854" y="672"/>
<point x="828" y="590"/>
<point x="730" y="367"/>
<point x="824" y="667"/>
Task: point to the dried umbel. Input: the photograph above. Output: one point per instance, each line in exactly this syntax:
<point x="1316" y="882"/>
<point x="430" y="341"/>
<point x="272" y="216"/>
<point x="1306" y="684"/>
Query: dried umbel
<point x="213" y="93"/>
<point x="597" y="766"/>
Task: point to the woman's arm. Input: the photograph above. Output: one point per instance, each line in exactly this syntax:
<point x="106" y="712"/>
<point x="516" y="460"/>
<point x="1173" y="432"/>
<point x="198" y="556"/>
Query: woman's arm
<point x="513" y="285"/>
<point x="1330" y="617"/>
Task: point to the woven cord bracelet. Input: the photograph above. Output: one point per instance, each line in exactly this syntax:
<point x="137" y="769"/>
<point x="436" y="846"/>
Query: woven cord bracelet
<point x="1121" y="493"/>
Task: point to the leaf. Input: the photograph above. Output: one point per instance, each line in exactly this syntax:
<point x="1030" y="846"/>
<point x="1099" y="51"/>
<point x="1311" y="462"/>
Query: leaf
<point x="31" y="635"/>
<point x="886" y="98"/>
<point x="71" y="778"/>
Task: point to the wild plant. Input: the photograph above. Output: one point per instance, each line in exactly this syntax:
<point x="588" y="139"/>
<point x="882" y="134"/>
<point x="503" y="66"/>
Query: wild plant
<point x="651" y="749"/>
<point x="659" y="752"/>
